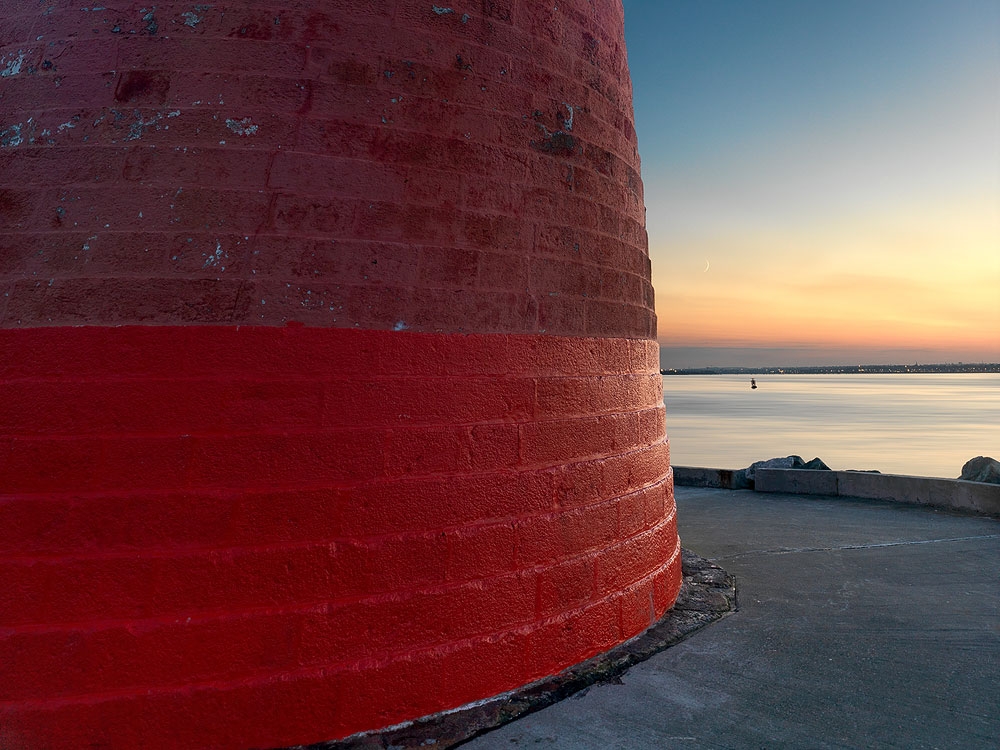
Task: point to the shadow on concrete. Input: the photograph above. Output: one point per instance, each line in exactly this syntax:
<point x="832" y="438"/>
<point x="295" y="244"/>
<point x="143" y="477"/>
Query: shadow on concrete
<point x="861" y="623"/>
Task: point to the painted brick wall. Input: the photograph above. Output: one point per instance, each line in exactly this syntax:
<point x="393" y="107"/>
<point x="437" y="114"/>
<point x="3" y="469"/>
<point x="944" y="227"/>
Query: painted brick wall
<point x="264" y="536"/>
<point x="371" y="164"/>
<point x="328" y="394"/>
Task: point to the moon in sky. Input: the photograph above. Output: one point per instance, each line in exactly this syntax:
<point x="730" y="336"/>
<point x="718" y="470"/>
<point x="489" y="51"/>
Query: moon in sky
<point x="706" y="267"/>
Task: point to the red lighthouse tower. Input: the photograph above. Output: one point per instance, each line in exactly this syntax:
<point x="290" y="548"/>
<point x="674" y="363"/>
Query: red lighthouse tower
<point x="329" y="395"/>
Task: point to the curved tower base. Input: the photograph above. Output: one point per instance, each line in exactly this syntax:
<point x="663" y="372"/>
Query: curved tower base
<point x="328" y="382"/>
<point x="254" y="536"/>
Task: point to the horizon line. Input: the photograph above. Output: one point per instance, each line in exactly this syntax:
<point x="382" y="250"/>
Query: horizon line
<point x="995" y="366"/>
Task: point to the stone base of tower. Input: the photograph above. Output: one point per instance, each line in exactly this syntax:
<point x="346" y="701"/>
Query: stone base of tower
<point x="236" y="537"/>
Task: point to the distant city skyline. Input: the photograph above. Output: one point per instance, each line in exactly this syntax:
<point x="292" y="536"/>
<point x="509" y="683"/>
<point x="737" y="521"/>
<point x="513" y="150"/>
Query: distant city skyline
<point x="684" y="357"/>
<point x="822" y="180"/>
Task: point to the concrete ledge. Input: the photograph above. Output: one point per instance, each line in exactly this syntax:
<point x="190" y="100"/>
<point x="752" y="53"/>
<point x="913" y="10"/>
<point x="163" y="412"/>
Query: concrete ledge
<point x="797" y="481"/>
<point x="954" y="494"/>
<point x="698" y="476"/>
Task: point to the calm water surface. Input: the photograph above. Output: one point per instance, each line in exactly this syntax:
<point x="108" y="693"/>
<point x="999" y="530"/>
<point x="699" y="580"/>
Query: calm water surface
<point x="924" y="425"/>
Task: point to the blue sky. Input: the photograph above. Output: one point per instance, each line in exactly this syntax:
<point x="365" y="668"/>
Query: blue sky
<point x="822" y="178"/>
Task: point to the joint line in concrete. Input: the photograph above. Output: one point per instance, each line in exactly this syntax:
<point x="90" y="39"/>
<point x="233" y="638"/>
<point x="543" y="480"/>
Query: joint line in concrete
<point x="789" y="551"/>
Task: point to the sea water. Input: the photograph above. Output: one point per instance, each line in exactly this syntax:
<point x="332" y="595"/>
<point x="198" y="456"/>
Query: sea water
<point x="917" y="424"/>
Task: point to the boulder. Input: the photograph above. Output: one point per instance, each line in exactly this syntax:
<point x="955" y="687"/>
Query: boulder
<point x="816" y="464"/>
<point x="788" y="462"/>
<point x="981" y="469"/>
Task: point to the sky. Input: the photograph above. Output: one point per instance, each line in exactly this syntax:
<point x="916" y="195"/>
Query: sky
<point x="822" y="178"/>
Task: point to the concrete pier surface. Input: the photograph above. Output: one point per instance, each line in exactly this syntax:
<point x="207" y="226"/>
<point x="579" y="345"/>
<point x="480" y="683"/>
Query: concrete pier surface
<point x="861" y="623"/>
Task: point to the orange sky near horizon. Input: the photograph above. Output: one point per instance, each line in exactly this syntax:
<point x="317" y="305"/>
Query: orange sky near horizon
<point x="871" y="282"/>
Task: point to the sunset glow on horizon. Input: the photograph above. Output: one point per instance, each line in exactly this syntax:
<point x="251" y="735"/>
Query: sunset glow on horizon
<point x="822" y="179"/>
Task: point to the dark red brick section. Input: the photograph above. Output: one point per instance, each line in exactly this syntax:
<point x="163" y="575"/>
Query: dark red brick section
<point x="284" y="154"/>
<point x="328" y="389"/>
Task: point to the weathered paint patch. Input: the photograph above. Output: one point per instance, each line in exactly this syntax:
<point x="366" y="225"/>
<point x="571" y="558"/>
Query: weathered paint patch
<point x="214" y="258"/>
<point x="191" y="18"/>
<point x="14" y="135"/>
<point x="242" y="127"/>
<point x="140" y="126"/>
<point x="568" y="122"/>
<point x="13" y="66"/>
<point x="150" y="19"/>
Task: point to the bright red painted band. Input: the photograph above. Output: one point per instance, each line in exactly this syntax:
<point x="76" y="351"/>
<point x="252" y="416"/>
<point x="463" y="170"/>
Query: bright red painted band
<point x="322" y="530"/>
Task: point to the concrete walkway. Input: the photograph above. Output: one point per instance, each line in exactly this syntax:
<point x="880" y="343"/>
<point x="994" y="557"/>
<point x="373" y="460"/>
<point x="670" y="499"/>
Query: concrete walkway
<point x="861" y="624"/>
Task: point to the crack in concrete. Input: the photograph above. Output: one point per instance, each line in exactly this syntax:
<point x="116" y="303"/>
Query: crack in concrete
<point x="794" y="550"/>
